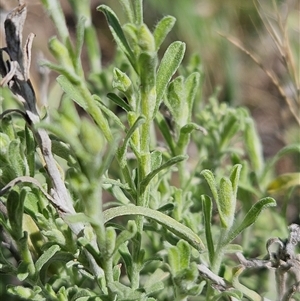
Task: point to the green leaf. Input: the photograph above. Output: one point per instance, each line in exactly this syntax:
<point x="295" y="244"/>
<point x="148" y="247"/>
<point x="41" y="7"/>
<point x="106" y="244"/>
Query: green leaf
<point x="234" y="178"/>
<point x="17" y="162"/>
<point x="174" y="260"/>
<point x="108" y="112"/>
<point x="26" y="293"/>
<point x="53" y="255"/>
<point x="71" y="91"/>
<point x="192" y="84"/>
<point x="110" y="239"/>
<point x="62" y="54"/>
<point x="166" y="132"/>
<point x="153" y="173"/>
<point x="30" y="150"/>
<point x="147" y="67"/>
<point x="119" y="101"/>
<point x="207" y="213"/>
<point x="120" y="80"/>
<point x="230" y="128"/>
<point x="184" y="253"/>
<point x="117" y="32"/>
<point x="155" y="282"/>
<point x="254" y="146"/>
<point x="210" y="179"/>
<point x="46" y="256"/>
<point x="167" y="68"/>
<point x="176" y="101"/>
<point x="250" y="218"/>
<point x="126" y="235"/>
<point x="123" y="150"/>
<point x="79" y="43"/>
<point x="175" y="227"/>
<point x="126" y="256"/>
<point x="162" y="28"/>
<point x="226" y="203"/>
<point x="15" y="210"/>
<point x="233" y="248"/>
<point x="145" y="39"/>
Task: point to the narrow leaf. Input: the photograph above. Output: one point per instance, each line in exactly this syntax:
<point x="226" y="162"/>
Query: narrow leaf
<point x="184" y="254"/>
<point x="163" y="27"/>
<point x="254" y="146"/>
<point x="250" y="218"/>
<point x="122" y="150"/>
<point x="71" y="91"/>
<point x="210" y="179"/>
<point x="117" y="32"/>
<point x="207" y="213"/>
<point x="226" y="203"/>
<point x="153" y="173"/>
<point x="234" y="178"/>
<point x="175" y="227"/>
<point x="167" y="68"/>
<point x="46" y="256"/>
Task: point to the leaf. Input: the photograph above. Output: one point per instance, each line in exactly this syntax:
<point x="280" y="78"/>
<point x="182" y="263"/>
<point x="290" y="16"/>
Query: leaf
<point x="53" y="256"/>
<point x="226" y="203"/>
<point x="210" y="179"/>
<point x="250" y="218"/>
<point x="191" y="88"/>
<point x="120" y="80"/>
<point x="79" y="42"/>
<point x="123" y="149"/>
<point x="117" y="32"/>
<point x="15" y="210"/>
<point x="162" y="28"/>
<point x="46" y="256"/>
<point x="71" y="91"/>
<point x="184" y="254"/>
<point x="175" y="227"/>
<point x="230" y="128"/>
<point x="125" y="235"/>
<point x="174" y="259"/>
<point x="30" y="150"/>
<point x="234" y="178"/>
<point x="16" y="158"/>
<point x="167" y="68"/>
<point x="154" y="172"/>
<point x="166" y="132"/>
<point x="284" y="182"/>
<point x="155" y="281"/>
<point x="254" y="146"/>
<point x="119" y="101"/>
<point x="207" y="213"/>
<point x="109" y="113"/>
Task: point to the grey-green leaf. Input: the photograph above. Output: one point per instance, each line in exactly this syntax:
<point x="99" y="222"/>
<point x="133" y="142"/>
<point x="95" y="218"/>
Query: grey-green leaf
<point x="210" y="179"/>
<point x="167" y="68"/>
<point x="46" y="256"/>
<point x="117" y="32"/>
<point x="207" y="213"/>
<point x="175" y="227"/>
<point x="153" y="173"/>
<point x="250" y="218"/>
<point x="163" y="27"/>
<point x="71" y="91"/>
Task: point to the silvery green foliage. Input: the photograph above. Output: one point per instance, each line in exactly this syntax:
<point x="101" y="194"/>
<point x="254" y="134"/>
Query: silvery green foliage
<point x="154" y="238"/>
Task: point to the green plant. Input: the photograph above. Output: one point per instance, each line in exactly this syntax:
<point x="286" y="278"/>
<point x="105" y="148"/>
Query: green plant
<point x="61" y="239"/>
